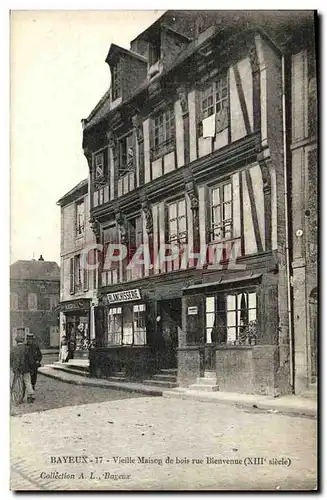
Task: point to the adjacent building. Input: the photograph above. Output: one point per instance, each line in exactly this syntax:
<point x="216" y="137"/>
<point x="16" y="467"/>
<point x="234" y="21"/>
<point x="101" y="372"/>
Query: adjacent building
<point x="77" y="283"/>
<point x="34" y="297"/>
<point x="203" y="155"/>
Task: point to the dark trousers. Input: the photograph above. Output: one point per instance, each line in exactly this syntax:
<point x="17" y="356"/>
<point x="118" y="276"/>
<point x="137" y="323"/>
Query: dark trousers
<point x="33" y="377"/>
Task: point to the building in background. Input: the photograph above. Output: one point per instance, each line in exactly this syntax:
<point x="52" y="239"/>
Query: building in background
<point x="206" y="140"/>
<point x="34" y="297"/>
<point x="77" y="284"/>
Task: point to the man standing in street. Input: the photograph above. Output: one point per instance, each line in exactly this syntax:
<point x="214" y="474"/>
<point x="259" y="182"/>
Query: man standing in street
<point x="21" y="363"/>
<point x="36" y="357"/>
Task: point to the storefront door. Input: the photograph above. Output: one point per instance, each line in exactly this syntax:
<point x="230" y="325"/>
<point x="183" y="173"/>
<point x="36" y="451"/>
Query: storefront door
<point x="170" y="322"/>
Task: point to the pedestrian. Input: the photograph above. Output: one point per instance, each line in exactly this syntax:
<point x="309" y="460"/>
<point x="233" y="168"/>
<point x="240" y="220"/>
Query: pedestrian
<point x="64" y="349"/>
<point x="21" y="362"/>
<point x="36" y="356"/>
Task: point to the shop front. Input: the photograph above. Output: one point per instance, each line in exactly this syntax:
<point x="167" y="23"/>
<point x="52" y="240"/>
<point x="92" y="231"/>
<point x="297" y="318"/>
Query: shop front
<point x="136" y="332"/>
<point x="76" y="327"/>
<point x="230" y="334"/>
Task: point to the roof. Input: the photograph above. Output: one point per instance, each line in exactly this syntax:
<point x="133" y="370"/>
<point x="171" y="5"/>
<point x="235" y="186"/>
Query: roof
<point x="116" y="49"/>
<point x="35" y="270"/>
<point x="225" y="281"/>
<point x="277" y="25"/>
<point x="74" y="193"/>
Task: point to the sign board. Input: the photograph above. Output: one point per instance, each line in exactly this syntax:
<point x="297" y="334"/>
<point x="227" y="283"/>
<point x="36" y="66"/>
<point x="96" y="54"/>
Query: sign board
<point x="192" y="310"/>
<point x="75" y="305"/>
<point x="124" y="296"/>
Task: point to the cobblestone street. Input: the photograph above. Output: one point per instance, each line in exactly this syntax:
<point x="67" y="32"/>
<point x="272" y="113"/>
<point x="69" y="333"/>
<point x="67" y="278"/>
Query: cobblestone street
<point x="184" y="444"/>
<point x="54" y="394"/>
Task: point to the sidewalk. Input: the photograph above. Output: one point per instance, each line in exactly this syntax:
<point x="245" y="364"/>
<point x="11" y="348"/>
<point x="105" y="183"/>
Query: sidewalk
<point x="290" y="405"/>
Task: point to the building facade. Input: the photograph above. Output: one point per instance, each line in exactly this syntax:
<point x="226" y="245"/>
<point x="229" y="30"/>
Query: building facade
<point x="34" y="297"/>
<point x="77" y="281"/>
<point x="189" y="154"/>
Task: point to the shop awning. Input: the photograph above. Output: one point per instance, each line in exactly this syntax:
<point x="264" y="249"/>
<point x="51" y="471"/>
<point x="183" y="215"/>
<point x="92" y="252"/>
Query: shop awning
<point x="222" y="282"/>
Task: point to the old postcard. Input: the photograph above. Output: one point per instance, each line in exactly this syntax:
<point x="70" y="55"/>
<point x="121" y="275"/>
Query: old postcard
<point x="163" y="276"/>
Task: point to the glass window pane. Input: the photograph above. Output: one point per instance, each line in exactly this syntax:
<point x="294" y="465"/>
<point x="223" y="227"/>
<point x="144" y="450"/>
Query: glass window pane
<point x="252" y="300"/>
<point x="227" y="192"/>
<point x="210" y="304"/>
<point x="231" y="318"/>
<point x="172" y="211"/>
<point x="215" y="197"/>
<point x="181" y="207"/>
<point x="252" y="314"/>
<point x="231" y="334"/>
<point x="231" y="302"/>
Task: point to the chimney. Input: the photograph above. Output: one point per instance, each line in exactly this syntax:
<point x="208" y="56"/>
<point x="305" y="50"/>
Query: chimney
<point x="41" y="258"/>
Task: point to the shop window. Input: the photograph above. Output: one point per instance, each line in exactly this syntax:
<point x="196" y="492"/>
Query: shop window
<point x="80" y="218"/>
<point x="126" y="325"/>
<point x="163" y="133"/>
<point x="32" y="301"/>
<point x="115" y="326"/>
<point x="14" y="301"/>
<point x="231" y="318"/>
<point x="221" y="213"/>
<point x="177" y="223"/>
<point x="116" y="84"/>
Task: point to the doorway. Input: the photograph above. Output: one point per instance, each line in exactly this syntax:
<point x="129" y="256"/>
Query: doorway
<point x="170" y="313"/>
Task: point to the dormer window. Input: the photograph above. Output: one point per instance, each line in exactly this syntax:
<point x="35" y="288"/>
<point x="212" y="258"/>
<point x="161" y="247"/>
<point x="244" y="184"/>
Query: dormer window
<point x="154" y="51"/>
<point x="116" y="80"/>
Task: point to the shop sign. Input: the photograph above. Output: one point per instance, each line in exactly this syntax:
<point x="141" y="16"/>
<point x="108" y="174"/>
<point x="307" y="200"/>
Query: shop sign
<point x="192" y="310"/>
<point x="124" y="296"/>
<point x="74" y="306"/>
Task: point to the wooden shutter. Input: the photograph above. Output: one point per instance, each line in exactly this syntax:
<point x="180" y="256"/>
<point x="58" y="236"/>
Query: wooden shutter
<point x="72" y="275"/>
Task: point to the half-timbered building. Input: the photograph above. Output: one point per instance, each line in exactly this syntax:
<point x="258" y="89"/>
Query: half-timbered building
<point x="189" y="160"/>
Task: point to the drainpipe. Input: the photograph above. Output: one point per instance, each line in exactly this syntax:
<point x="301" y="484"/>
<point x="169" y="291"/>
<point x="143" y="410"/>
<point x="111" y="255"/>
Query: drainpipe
<point x="287" y="245"/>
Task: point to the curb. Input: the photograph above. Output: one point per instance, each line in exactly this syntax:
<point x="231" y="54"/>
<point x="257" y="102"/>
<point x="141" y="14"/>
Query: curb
<point x="105" y="385"/>
<point x="270" y="406"/>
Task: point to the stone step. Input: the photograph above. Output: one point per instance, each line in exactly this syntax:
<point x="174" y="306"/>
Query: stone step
<point x="83" y="367"/>
<point x="165" y="376"/>
<point x="206" y="381"/>
<point x="116" y="378"/>
<point x="204" y="387"/>
<point x="68" y="369"/>
<point x="172" y="371"/>
<point x="160" y="383"/>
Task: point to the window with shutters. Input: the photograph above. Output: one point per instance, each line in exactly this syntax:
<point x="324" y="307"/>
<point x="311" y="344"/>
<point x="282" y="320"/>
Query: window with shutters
<point x="32" y="301"/>
<point x="231" y="318"/>
<point x="14" y="301"/>
<point x="177" y="222"/>
<point x="71" y="275"/>
<point x="163" y="133"/>
<point x="214" y="97"/>
<point x="78" y="273"/>
<point x="221" y="208"/>
<point x="126" y="155"/>
<point x="135" y="241"/>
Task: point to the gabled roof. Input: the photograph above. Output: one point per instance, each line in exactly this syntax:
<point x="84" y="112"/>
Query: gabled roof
<point x="35" y="270"/>
<point x="77" y="191"/>
<point x="117" y="50"/>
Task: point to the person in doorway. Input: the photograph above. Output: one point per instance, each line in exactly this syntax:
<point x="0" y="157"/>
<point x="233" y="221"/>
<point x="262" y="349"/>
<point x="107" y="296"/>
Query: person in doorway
<point x="21" y="362"/>
<point x="36" y="356"/>
<point x="64" y="354"/>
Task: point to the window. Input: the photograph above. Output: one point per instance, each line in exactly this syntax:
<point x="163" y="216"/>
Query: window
<point x="78" y="272"/>
<point x="114" y="326"/>
<point x="177" y="227"/>
<point x="135" y="241"/>
<point x="214" y="97"/>
<point x="116" y="80"/>
<point x="231" y="318"/>
<point x="54" y="301"/>
<point x="154" y="51"/>
<point x="126" y="155"/>
<point x="32" y="301"/>
<point x="126" y="326"/>
<point x="99" y="165"/>
<point x="164" y="128"/>
<point x="80" y="217"/>
<point x="110" y="272"/>
<point x="221" y="213"/>
<point x="14" y="301"/>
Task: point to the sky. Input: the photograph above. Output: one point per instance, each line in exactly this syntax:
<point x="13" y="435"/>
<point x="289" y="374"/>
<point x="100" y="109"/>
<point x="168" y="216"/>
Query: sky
<point x="57" y="75"/>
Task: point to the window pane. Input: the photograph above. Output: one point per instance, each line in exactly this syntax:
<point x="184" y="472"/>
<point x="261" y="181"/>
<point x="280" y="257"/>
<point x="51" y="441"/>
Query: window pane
<point x="252" y="314"/>
<point x="128" y="325"/>
<point x="215" y="197"/>
<point x="231" y="318"/>
<point x="210" y="304"/>
<point x="231" y="302"/>
<point x="231" y="334"/>
<point x="227" y="192"/>
<point x="252" y="297"/>
<point x="181" y="207"/>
